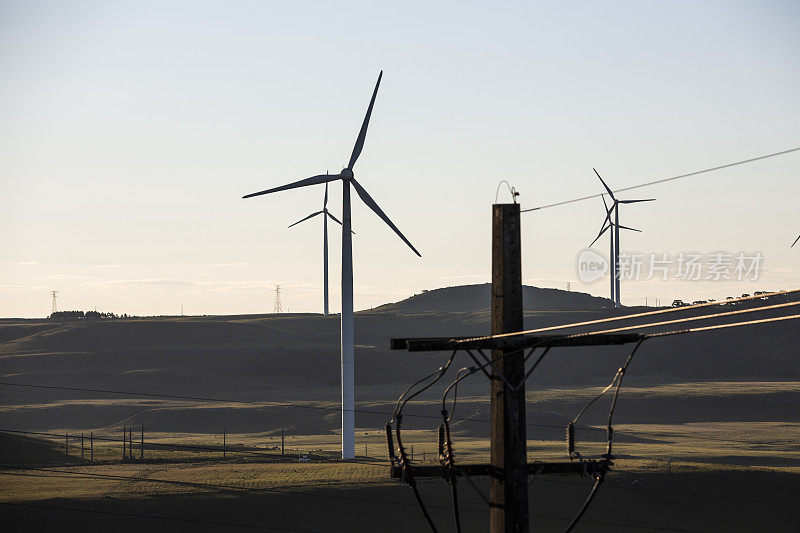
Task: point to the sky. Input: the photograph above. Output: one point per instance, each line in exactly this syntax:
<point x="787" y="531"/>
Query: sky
<point x="129" y="132"/>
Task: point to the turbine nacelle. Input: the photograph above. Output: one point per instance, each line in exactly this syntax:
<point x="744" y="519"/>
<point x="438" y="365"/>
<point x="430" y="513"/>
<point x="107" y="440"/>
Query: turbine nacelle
<point x="346" y="174"/>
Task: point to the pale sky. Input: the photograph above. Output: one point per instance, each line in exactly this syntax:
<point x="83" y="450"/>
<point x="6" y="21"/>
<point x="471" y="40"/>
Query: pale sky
<point x="130" y="131"/>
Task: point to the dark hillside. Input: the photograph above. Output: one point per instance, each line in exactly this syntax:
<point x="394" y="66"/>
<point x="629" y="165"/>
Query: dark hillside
<point x="468" y="298"/>
<point x="296" y="357"/>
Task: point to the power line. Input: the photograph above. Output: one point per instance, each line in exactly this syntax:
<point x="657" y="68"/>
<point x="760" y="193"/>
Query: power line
<point x="723" y="326"/>
<point x="656" y="312"/>
<point x="639" y="315"/>
<point x="706" y="317"/>
<point x="546" y="340"/>
<point x="663" y="180"/>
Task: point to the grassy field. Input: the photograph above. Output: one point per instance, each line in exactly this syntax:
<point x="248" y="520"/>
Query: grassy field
<point x="706" y="430"/>
<point x="236" y="493"/>
<point x="722" y="475"/>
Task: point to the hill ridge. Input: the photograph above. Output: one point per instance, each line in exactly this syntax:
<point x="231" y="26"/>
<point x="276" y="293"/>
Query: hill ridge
<point x="471" y="298"/>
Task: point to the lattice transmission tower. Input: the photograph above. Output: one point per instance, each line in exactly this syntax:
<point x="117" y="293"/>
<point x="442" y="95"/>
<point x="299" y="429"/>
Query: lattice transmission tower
<point x="55" y="302"/>
<point x="277" y="308"/>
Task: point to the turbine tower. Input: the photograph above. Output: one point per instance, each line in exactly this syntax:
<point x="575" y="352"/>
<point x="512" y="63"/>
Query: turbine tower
<point x="325" y="216"/>
<point x="608" y="224"/>
<point x="347" y="334"/>
<point x="615" y="227"/>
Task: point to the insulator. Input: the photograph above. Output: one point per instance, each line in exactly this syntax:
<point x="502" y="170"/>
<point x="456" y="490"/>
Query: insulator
<point x="390" y="442"/>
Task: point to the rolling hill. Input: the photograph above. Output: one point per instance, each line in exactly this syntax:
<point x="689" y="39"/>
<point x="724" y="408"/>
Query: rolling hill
<point x="469" y="298"/>
<point x="296" y="357"/>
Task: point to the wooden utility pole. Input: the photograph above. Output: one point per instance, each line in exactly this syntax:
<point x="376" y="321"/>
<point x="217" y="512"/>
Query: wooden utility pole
<point x="509" y="488"/>
<point x="282" y="442"/>
<point x="81" y="447"/>
<point x="141" y="445"/>
<point x="91" y="446"/>
<point x="509" y="469"/>
<point x="66" y="448"/>
<point x="124" y="442"/>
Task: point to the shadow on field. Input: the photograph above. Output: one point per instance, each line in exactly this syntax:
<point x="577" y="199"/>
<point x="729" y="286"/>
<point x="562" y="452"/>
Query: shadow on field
<point x="686" y="501"/>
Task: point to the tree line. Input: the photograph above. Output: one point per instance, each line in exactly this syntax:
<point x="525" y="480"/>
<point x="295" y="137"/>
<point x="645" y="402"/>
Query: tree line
<point x="80" y="315"/>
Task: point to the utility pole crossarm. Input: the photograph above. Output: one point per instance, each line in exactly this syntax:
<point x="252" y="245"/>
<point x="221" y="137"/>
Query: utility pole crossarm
<point x="435" y="344"/>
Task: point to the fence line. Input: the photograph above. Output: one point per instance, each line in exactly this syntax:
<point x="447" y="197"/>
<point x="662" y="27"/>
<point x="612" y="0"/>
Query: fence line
<point x="158" y="445"/>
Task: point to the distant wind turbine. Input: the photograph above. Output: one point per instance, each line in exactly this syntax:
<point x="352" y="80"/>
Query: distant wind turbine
<point x="325" y="216"/>
<point x="615" y="226"/>
<point x="608" y="224"/>
<point x="348" y="178"/>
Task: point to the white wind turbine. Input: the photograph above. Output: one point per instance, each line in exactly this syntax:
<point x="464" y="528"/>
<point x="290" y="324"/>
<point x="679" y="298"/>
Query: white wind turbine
<point x="325" y="216"/>
<point x="348" y="178"/>
<point x="615" y="225"/>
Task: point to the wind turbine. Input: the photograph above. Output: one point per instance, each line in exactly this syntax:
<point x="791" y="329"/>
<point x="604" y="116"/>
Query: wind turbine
<point x="348" y="178"/>
<point x="615" y="226"/>
<point x="325" y="214"/>
<point x="608" y="224"/>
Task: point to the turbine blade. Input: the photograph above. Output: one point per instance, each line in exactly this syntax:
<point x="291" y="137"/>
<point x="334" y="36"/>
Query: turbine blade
<point x="605" y="228"/>
<point x="636" y="201"/>
<point x="325" y="204"/>
<point x="337" y="220"/>
<point x="606" y="186"/>
<point x="632" y="229"/>
<point x="304" y="219"/>
<point x="313" y="180"/>
<point x="607" y="222"/>
<point x="367" y="199"/>
<point x="608" y="213"/>
<point x="363" y="133"/>
<point x="795" y="241"/>
<point x="334" y="218"/>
